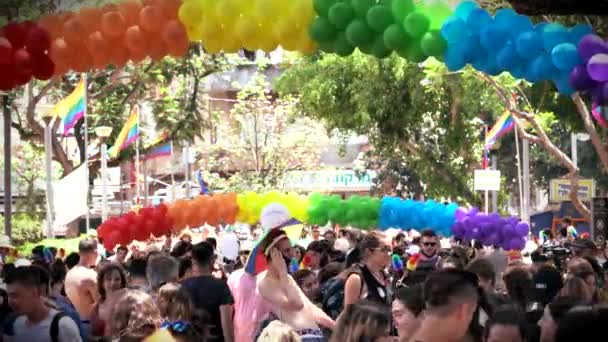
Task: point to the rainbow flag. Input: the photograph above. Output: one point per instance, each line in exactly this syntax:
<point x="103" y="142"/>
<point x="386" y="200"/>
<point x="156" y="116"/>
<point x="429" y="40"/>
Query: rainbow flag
<point x="162" y="137"/>
<point x="128" y="134"/>
<point x="503" y="126"/>
<point x="159" y="151"/>
<point x="72" y="108"/>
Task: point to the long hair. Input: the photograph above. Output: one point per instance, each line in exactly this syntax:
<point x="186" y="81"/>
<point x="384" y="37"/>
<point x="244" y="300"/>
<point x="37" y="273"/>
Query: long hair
<point x="363" y="321"/>
<point x="106" y="271"/>
<point x="174" y="303"/>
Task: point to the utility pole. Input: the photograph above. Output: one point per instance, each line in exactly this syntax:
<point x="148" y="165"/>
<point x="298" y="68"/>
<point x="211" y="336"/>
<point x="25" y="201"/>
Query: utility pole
<point x="8" y="197"/>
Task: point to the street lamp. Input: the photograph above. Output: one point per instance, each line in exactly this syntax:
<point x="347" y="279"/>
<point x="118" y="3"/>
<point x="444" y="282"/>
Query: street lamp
<point x="574" y="138"/>
<point x="47" y="117"/>
<point x="103" y="133"/>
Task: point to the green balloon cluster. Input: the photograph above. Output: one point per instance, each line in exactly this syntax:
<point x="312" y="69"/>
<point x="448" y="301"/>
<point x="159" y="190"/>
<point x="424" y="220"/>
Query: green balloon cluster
<point x="356" y="211"/>
<point x="379" y="27"/>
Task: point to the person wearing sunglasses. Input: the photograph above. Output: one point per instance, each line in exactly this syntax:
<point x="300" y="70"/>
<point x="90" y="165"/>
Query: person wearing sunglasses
<point x="426" y="262"/>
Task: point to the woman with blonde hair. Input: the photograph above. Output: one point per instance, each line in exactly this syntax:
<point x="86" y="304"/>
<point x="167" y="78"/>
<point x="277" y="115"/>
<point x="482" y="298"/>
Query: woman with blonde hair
<point x="277" y="331"/>
<point x="134" y="317"/>
<point x="179" y="316"/>
<point x="363" y="321"/>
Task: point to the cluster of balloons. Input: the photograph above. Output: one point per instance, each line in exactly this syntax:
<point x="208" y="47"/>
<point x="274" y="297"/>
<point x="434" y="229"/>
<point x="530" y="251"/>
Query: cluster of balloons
<point x="24" y="54"/>
<point x="250" y="205"/>
<point x="114" y="34"/>
<point x="380" y="27"/>
<point x="122" y="230"/>
<point x="491" y="230"/>
<point x="510" y="42"/>
<point x="204" y="209"/>
<point x="356" y="211"/>
<point x="230" y="25"/>
<point x="592" y="74"/>
<point x="409" y="214"/>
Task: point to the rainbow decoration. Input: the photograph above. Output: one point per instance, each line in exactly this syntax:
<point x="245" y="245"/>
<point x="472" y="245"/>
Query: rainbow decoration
<point x="128" y="134"/>
<point x="503" y="126"/>
<point x="159" y="151"/>
<point x="72" y="108"/>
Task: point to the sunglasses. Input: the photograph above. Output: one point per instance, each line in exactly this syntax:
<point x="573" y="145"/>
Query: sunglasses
<point x="429" y="244"/>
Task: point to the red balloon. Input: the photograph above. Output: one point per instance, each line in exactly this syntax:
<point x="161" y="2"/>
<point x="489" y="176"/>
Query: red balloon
<point x="175" y="36"/>
<point x="162" y="208"/>
<point x="23" y="62"/>
<point x="134" y="39"/>
<point x="43" y="67"/>
<point x="150" y="227"/>
<point x="113" y="24"/>
<point x="147" y="212"/>
<point x="16" y="33"/>
<point x="151" y="18"/>
<point x="74" y="32"/>
<point x="112" y="240"/>
<point x="6" y="51"/>
<point x="38" y="40"/>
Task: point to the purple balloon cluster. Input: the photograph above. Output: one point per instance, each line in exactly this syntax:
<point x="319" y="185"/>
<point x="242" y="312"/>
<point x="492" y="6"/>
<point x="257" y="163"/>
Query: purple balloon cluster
<point x="492" y="230"/>
<point x="592" y="74"/>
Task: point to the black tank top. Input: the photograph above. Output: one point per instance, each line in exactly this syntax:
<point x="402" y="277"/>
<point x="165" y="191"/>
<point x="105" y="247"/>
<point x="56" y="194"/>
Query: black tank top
<point x="376" y="291"/>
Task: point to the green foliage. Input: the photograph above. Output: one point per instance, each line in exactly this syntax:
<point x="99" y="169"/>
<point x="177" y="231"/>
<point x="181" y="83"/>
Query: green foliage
<point x="26" y="228"/>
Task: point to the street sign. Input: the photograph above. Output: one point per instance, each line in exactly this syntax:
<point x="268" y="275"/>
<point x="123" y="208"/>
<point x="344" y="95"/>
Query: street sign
<point x="559" y="190"/>
<point x="487" y="180"/>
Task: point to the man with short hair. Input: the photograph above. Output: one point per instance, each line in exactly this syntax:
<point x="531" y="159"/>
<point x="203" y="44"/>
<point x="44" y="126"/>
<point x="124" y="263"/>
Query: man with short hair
<point x="211" y="294"/>
<point x="81" y="280"/>
<point x="330" y="236"/>
<point x="121" y="255"/>
<point x="426" y="262"/>
<point x="161" y="269"/>
<point x="137" y="274"/>
<point x="35" y="320"/>
<point x="451" y="298"/>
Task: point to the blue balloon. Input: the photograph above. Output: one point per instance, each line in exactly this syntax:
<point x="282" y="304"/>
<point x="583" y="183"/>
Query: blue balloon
<point x="454" y="30"/>
<point x="521" y="23"/>
<point x="529" y="44"/>
<point x="478" y="19"/>
<point x="565" y="56"/>
<point x="487" y="65"/>
<point x="578" y="31"/>
<point x="553" y="35"/>
<point x="508" y="59"/>
<point x="454" y="57"/>
<point x="562" y="82"/>
<point x="540" y="27"/>
<point x="518" y="71"/>
<point x="543" y="69"/>
<point x="472" y="50"/>
<point x="505" y="18"/>
<point x="464" y="9"/>
<point x="493" y="37"/>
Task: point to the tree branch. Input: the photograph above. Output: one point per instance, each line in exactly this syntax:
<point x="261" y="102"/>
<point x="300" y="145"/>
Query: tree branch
<point x="590" y="127"/>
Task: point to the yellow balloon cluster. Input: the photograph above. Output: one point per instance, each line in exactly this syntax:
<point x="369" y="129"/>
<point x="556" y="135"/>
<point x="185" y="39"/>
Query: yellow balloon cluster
<point x="230" y="25"/>
<point x="251" y="205"/>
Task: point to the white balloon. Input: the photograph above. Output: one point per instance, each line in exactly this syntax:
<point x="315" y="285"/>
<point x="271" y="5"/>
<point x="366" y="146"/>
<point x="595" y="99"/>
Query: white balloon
<point x="229" y="246"/>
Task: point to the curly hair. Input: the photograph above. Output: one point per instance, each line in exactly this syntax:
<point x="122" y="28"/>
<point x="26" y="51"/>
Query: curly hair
<point x="107" y="270"/>
<point x="174" y="303"/>
<point x="134" y="317"/>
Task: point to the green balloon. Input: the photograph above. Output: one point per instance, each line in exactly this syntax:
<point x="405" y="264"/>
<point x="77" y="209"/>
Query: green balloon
<point x="401" y="8"/>
<point x="413" y="52"/>
<point x="367" y="48"/>
<point x="433" y="44"/>
<point x="416" y="24"/>
<point x="342" y="47"/>
<point x="362" y="6"/>
<point x="327" y="46"/>
<point x="379" y="49"/>
<point x="358" y="33"/>
<point x="379" y="18"/>
<point x="437" y="12"/>
<point x="321" y="30"/>
<point x="395" y="37"/>
<point x="341" y="14"/>
<point x="322" y="7"/>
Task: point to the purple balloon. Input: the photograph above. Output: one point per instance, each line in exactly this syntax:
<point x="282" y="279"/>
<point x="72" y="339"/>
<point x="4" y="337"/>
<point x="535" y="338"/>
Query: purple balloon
<point x="458" y="230"/>
<point x="517" y="243"/>
<point x="600" y="93"/>
<point x="591" y="45"/>
<point x="473" y="211"/>
<point x="579" y="78"/>
<point x="508" y="231"/>
<point x="597" y="67"/>
<point x="493" y="240"/>
<point x="522" y="229"/>
<point x="512" y="220"/>
<point x="460" y="214"/>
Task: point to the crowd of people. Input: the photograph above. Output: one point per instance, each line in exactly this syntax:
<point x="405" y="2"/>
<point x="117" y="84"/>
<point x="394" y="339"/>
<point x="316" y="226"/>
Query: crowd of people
<point x="344" y="286"/>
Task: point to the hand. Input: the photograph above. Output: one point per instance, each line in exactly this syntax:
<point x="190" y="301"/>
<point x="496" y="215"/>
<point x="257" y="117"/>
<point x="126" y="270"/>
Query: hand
<point x="276" y="258"/>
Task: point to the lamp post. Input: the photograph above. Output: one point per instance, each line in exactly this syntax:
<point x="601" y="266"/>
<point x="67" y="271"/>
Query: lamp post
<point x="103" y="133"/>
<point x="47" y="117"/>
<point x="575" y="137"/>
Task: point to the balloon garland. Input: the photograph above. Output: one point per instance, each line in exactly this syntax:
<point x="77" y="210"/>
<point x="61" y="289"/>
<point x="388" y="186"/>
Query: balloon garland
<point x="410" y="214"/>
<point x="592" y="75"/>
<point x="380" y="27"/>
<point x="356" y="211"/>
<point x="492" y="230"/>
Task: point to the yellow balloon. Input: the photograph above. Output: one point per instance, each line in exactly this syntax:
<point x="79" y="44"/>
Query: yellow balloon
<point x="210" y="29"/>
<point x="286" y="32"/>
<point x="190" y="13"/>
<point x="266" y="10"/>
<point x="267" y="43"/>
<point x="212" y="45"/>
<point x="194" y="33"/>
<point x="231" y="45"/>
<point x="246" y="29"/>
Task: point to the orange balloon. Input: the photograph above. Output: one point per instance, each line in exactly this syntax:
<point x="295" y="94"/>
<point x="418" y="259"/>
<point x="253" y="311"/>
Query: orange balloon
<point x="157" y="50"/>
<point x="151" y="18"/>
<point x="97" y="44"/>
<point x="53" y="25"/>
<point x="130" y="11"/>
<point x="169" y="8"/>
<point x="74" y="32"/>
<point x="175" y="36"/>
<point x="90" y="18"/>
<point x="135" y="40"/>
<point x="109" y="8"/>
<point x="65" y="16"/>
<point x="113" y="24"/>
<point x="81" y="61"/>
<point x="60" y="51"/>
<point x="137" y="56"/>
<point x="118" y="56"/>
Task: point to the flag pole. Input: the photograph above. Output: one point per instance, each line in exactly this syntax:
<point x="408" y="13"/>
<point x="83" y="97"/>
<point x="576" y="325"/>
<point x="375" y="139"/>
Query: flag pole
<point x="86" y="150"/>
<point x="519" y="176"/>
<point x="137" y="193"/>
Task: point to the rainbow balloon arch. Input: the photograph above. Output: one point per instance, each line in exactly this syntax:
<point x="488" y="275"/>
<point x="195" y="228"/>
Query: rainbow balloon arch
<point x="574" y="58"/>
<point x="362" y="212"/>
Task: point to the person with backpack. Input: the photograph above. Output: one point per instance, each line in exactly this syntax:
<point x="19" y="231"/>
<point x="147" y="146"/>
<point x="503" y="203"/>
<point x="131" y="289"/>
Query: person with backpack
<point x="34" y="320"/>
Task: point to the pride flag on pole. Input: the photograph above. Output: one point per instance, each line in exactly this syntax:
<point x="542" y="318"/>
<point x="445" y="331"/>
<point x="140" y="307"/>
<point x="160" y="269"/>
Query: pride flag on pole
<point x="128" y="134"/>
<point x="503" y="126"/>
<point x="159" y="151"/>
<point x="72" y="108"/>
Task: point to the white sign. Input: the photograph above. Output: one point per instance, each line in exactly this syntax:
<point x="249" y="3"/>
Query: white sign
<point x="338" y="180"/>
<point x="487" y="180"/>
<point x="70" y="195"/>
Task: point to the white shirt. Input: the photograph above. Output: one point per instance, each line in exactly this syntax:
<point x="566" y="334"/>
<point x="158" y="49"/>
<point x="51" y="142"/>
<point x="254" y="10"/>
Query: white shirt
<point x="41" y="331"/>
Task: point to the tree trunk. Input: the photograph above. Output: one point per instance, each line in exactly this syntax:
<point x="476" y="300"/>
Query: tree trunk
<point x="560" y="7"/>
<point x="600" y="148"/>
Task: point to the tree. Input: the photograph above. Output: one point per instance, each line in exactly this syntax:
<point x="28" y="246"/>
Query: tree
<point x="260" y="141"/>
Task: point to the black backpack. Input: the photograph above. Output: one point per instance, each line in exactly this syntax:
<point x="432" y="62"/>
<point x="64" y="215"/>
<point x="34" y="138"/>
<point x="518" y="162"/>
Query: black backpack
<point x="9" y="328"/>
<point x="333" y="294"/>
